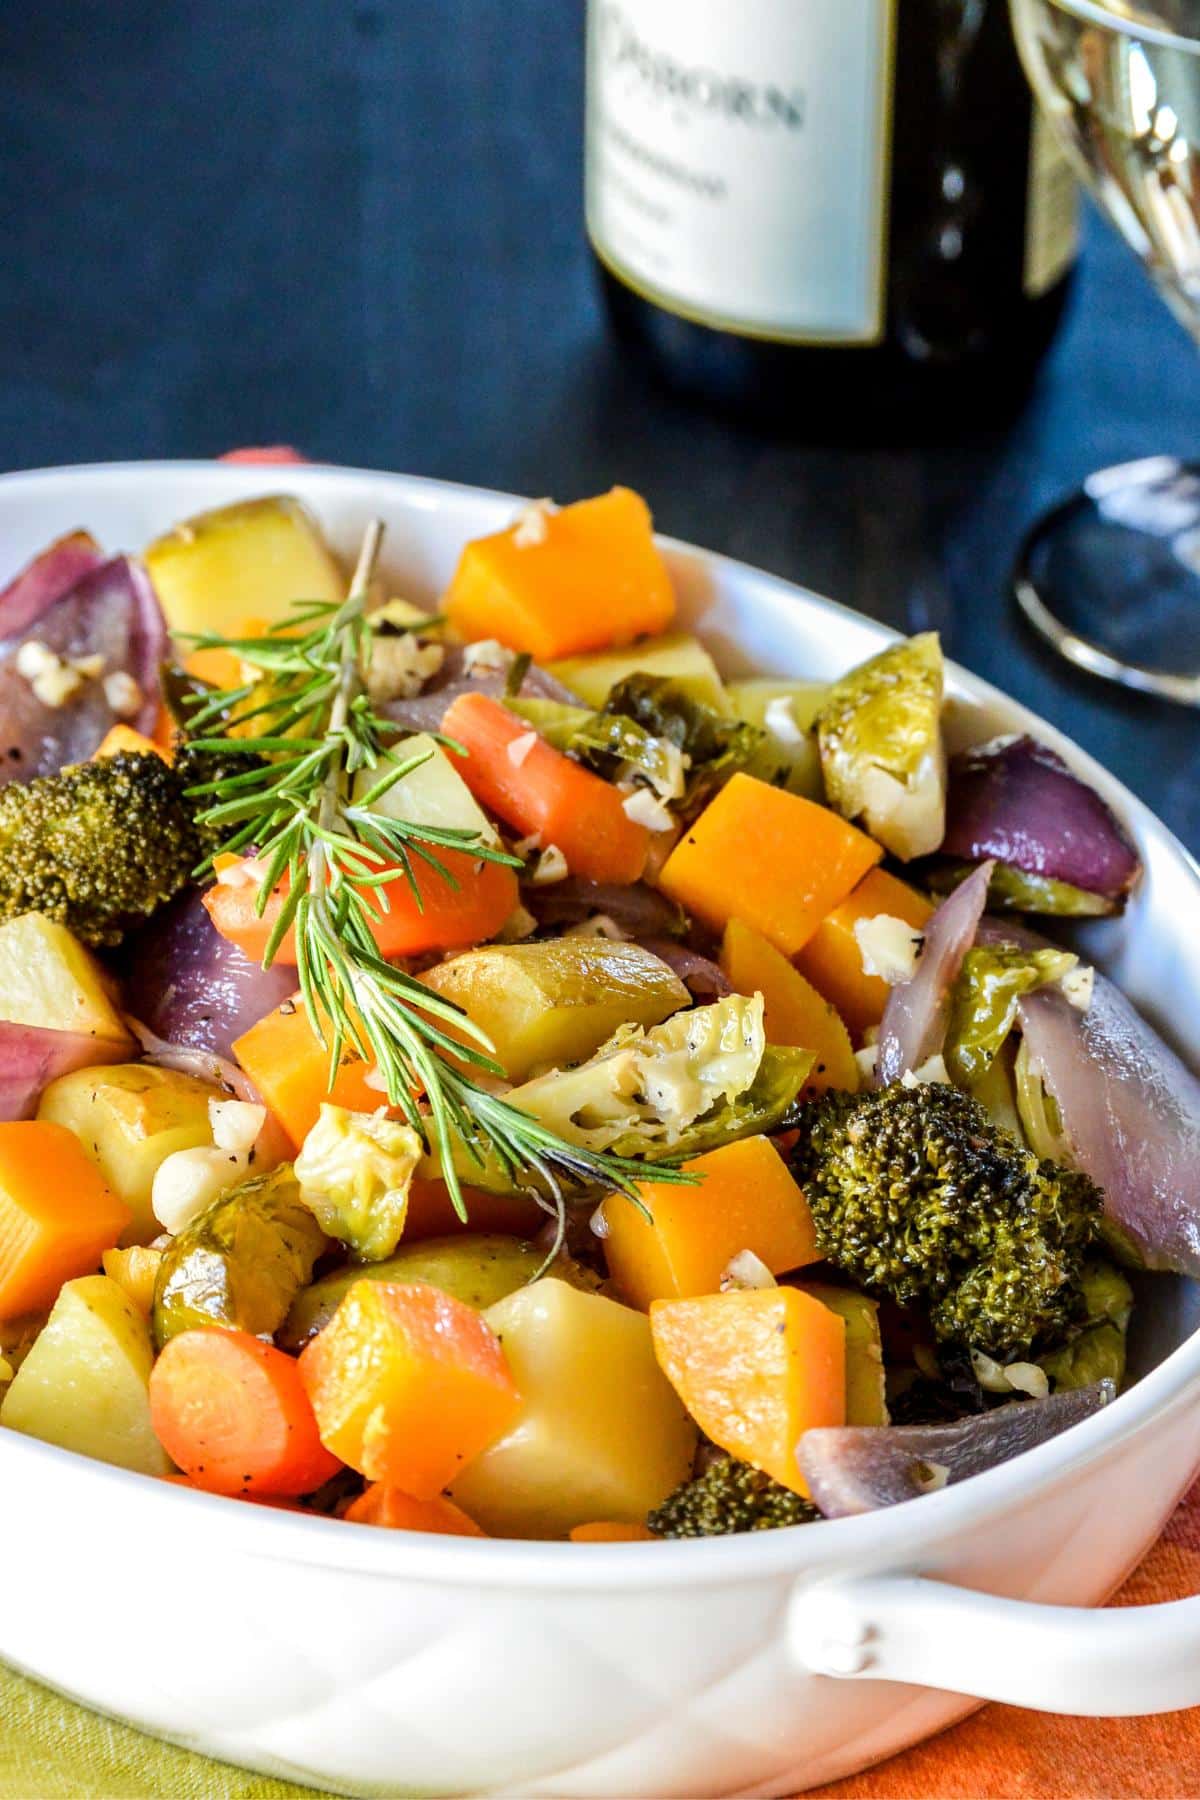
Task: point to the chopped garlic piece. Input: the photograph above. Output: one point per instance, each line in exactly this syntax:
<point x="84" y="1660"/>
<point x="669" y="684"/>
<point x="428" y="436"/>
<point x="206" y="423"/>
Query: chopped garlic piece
<point x="487" y="657"/>
<point x="1077" y="986"/>
<point x="933" y="1069"/>
<point x="236" y="1124"/>
<point x="530" y="526"/>
<point x="519" y="924"/>
<point x="1009" y="1378"/>
<point x="888" y="947"/>
<point x="121" y="691"/>
<point x="1027" y="1378"/>
<point x="54" y="687"/>
<point x="780" y="720"/>
<point x="248" y="871"/>
<point x="188" y="1181"/>
<point x="34" y="658"/>
<point x="598" y="1223"/>
<point x="744" y="1271"/>
<point x="929" y="1476"/>
<point x="600" y="925"/>
<point x="551" y="866"/>
<point x="400" y="666"/>
<point x="520" y="747"/>
<point x="644" y="809"/>
<point x="375" y="1079"/>
<point x="866" y="1058"/>
<point x="91" y="666"/>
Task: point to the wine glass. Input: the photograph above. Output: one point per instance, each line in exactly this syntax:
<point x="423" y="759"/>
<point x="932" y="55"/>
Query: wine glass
<point x="1112" y="576"/>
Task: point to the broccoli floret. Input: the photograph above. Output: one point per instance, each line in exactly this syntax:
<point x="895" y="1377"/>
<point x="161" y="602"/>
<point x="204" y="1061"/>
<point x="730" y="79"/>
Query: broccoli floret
<point x="99" y="846"/>
<point x="730" y="1496"/>
<point x="916" y="1194"/>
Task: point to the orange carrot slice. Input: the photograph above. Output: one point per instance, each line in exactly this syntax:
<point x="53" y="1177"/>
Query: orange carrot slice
<point x="232" y="1413"/>
<point x="438" y="916"/>
<point x="542" y="793"/>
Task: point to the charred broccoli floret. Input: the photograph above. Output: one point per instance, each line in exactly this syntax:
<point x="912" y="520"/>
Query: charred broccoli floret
<point x="730" y="1496"/>
<point x="99" y="846"/>
<point x="916" y="1194"/>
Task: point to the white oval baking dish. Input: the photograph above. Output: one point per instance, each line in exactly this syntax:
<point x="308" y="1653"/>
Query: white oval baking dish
<point x="387" y="1663"/>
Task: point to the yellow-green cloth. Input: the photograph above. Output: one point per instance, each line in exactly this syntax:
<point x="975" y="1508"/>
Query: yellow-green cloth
<point x="51" y="1749"/>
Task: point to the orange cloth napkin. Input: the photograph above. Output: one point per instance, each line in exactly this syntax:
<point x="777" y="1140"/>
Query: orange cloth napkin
<point x="1004" y="1753"/>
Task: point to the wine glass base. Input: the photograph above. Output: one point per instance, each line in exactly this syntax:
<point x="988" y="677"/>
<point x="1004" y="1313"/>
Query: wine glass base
<point x="1111" y="577"/>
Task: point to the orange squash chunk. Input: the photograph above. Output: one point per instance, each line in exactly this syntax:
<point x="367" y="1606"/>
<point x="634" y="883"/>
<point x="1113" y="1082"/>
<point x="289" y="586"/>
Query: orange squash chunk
<point x="746" y="1201"/>
<point x="795" y="1013"/>
<point x="120" y="738"/>
<point x="289" y="1066"/>
<point x="755" y="1369"/>
<point x="611" y="1531"/>
<point x="407" y="1385"/>
<point x="382" y="1504"/>
<point x="582" y="578"/>
<point x="57" y="1216"/>
<point x="832" y="960"/>
<point x="774" y="859"/>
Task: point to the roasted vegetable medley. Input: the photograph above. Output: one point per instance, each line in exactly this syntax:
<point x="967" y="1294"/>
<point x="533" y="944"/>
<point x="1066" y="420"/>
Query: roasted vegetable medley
<point x="479" y="1071"/>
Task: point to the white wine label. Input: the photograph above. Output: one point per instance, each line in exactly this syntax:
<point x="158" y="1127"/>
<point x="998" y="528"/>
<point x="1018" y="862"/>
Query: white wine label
<point x="1051" y="209"/>
<point x="737" y="160"/>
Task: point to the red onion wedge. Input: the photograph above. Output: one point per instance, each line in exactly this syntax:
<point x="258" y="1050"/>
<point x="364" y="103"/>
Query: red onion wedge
<point x="699" y="974"/>
<point x="1130" y="1113"/>
<point x="193" y="987"/>
<point x="426" y="710"/>
<point x="914" y="1021"/>
<point x="1017" y="800"/>
<point x="51" y="574"/>
<point x="639" y="910"/>
<point x="31" y="1057"/>
<point x="110" y="613"/>
<point x="858" y="1468"/>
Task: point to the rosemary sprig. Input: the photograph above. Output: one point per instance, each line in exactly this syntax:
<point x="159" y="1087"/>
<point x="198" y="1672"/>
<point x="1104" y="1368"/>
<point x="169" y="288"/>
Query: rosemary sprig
<point x="313" y="830"/>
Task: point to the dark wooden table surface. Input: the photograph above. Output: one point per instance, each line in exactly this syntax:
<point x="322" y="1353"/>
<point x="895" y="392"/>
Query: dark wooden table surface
<point x="355" y="225"/>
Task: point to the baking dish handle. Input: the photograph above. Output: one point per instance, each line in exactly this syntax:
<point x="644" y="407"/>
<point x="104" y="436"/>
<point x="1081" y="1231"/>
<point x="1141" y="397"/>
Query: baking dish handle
<point x="1117" y="1663"/>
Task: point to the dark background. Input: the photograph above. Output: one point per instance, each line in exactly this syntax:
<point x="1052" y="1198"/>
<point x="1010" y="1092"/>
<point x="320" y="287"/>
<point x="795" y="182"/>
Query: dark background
<point x="355" y="225"/>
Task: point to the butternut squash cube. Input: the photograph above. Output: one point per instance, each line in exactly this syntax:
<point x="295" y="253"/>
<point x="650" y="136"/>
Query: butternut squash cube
<point x="755" y="1369"/>
<point x="795" y="1012"/>
<point x="585" y="577"/>
<point x="407" y="1385"/>
<point x="774" y="859"/>
<point x="599" y="1433"/>
<point x="57" y="1216"/>
<point x="746" y="1201"/>
<point x="832" y="959"/>
<point x="289" y="1065"/>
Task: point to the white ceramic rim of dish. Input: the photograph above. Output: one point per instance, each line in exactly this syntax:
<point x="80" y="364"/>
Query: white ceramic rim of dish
<point x="879" y="1539"/>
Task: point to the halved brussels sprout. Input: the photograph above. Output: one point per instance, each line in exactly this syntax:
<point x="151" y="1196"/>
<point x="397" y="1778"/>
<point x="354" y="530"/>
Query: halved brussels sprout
<point x="881" y="747"/>
<point x="983" y="1003"/>
<point x="242" y="1262"/>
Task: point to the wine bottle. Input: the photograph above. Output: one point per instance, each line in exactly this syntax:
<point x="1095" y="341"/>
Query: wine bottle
<point x="826" y="210"/>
